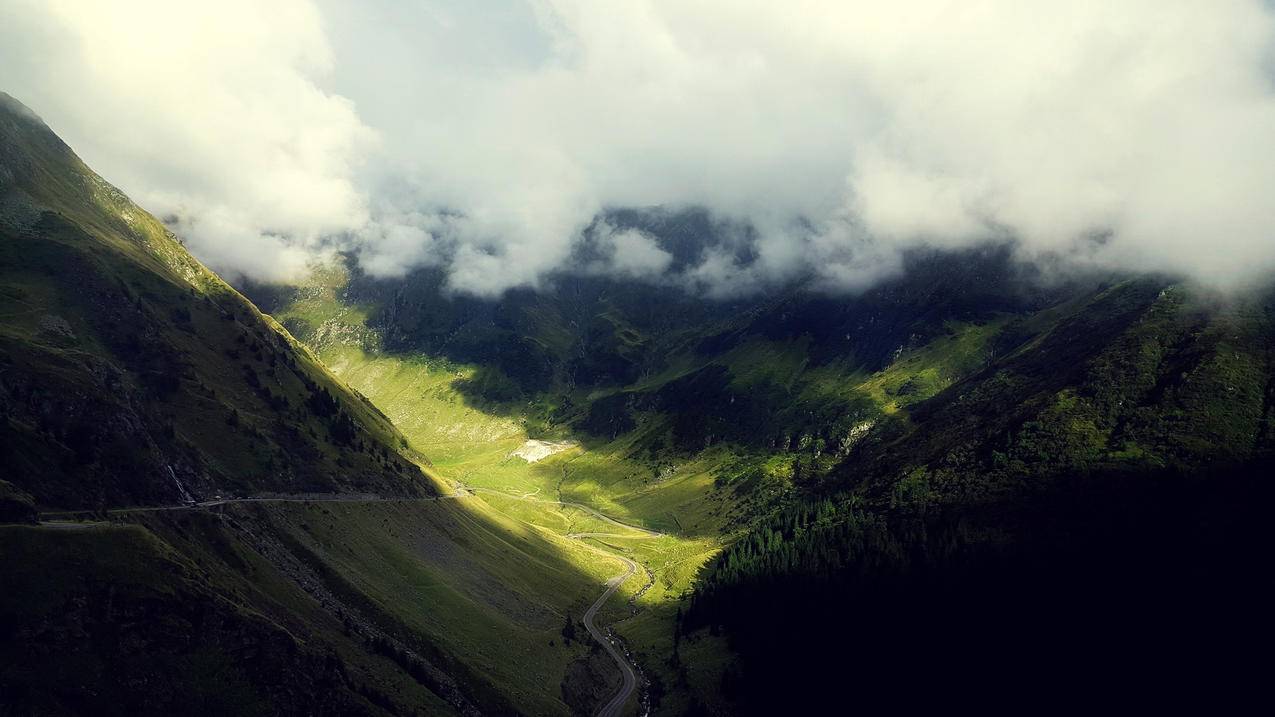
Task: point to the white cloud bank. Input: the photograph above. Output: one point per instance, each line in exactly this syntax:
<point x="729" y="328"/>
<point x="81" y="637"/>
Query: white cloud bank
<point x="488" y="135"/>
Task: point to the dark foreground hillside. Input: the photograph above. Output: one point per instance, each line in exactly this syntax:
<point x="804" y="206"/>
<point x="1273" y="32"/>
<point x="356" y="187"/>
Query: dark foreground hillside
<point x="1082" y="523"/>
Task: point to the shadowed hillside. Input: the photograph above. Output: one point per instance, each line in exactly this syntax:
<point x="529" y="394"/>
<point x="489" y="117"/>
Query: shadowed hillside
<point x="214" y="523"/>
<point x="1080" y="520"/>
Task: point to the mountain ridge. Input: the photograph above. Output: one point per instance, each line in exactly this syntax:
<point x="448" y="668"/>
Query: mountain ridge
<point x="148" y="412"/>
<point x="962" y="481"/>
<point x="138" y="330"/>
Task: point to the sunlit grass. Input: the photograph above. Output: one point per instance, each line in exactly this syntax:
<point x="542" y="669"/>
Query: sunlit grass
<point x="691" y="501"/>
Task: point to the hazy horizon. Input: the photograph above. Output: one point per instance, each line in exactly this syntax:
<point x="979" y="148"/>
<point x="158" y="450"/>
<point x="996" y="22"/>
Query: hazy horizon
<point x="829" y="137"/>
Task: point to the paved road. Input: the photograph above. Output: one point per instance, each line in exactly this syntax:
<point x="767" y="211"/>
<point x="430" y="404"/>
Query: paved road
<point x="308" y="498"/>
<point x="613" y="707"/>
<point x="69" y="524"/>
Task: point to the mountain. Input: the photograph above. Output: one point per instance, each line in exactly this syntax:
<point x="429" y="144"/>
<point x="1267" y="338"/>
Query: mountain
<point x="1080" y="519"/>
<point x="940" y="472"/>
<point x="132" y="374"/>
<point x="980" y="483"/>
<point x="201" y="518"/>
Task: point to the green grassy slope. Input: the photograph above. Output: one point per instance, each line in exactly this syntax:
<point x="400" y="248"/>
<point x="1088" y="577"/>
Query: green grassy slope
<point x="111" y="620"/>
<point x="491" y="593"/>
<point x="133" y="374"/>
<point x="470" y="444"/>
<point x="1141" y="376"/>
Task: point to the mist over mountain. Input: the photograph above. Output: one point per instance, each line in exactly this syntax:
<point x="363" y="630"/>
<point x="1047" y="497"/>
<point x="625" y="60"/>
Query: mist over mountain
<point x="492" y="138"/>
<point x="637" y="358"/>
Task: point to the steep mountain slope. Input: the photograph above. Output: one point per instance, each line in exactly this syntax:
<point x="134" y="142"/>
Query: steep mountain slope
<point x="1086" y="511"/>
<point x="131" y="374"/>
<point x="217" y="524"/>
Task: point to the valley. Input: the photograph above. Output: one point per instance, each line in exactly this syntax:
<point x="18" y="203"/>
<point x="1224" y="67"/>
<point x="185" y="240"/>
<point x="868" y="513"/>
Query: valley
<point x="592" y="495"/>
<point x="244" y="518"/>
<point x="345" y="493"/>
<point x="626" y="463"/>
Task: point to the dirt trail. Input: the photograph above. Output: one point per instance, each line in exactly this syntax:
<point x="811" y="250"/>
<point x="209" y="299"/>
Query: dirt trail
<point x="530" y="497"/>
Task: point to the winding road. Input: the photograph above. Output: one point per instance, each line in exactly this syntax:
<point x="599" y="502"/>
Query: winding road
<point x="629" y="683"/>
<point x="627" y="672"/>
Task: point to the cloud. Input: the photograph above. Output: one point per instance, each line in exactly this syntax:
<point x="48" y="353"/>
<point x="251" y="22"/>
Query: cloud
<point x="624" y="252"/>
<point x="209" y="114"/>
<point x="637" y="254"/>
<point x="395" y="243"/>
<point x="490" y="136"/>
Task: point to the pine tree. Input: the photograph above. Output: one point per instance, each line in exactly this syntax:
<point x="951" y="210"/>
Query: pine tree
<point x="569" y="630"/>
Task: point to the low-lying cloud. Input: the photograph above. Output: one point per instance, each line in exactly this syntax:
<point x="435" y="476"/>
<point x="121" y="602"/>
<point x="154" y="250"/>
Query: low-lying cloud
<point x="491" y="137"/>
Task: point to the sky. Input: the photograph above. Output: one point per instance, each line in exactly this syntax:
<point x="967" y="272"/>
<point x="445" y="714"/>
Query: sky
<point x="487" y="136"/>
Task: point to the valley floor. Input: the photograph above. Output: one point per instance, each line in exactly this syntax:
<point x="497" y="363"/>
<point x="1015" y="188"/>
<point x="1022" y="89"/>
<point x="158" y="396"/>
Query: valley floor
<point x="667" y="527"/>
